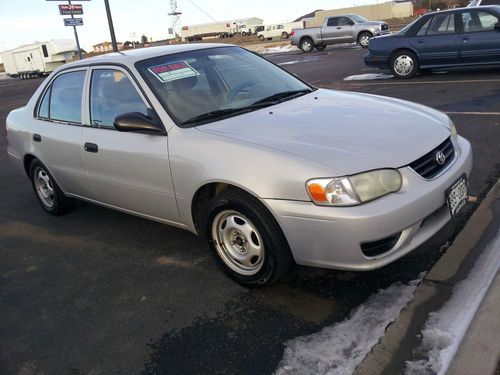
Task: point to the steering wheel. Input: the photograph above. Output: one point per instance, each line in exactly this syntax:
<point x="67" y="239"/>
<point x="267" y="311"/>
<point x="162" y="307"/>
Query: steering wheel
<point x="238" y="88"/>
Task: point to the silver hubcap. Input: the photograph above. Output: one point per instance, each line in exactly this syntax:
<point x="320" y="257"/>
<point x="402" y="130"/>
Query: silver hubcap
<point x="238" y="242"/>
<point x="44" y="187"/>
<point x="306" y="46"/>
<point x="403" y="65"/>
<point x="364" y="40"/>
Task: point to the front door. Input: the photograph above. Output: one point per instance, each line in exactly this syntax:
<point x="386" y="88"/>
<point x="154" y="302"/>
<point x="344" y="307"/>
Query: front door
<point x="437" y="41"/>
<point x="480" y="42"/>
<point x="129" y="171"/>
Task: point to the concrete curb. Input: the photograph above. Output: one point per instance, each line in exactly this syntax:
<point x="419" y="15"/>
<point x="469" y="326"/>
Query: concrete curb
<point x="402" y="337"/>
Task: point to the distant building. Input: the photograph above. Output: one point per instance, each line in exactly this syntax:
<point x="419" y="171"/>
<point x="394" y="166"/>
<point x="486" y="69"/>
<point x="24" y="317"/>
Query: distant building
<point x="106" y="47"/>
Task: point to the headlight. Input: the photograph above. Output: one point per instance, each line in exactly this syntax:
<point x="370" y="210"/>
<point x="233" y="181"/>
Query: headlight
<point x="453" y="130"/>
<point x="353" y="190"/>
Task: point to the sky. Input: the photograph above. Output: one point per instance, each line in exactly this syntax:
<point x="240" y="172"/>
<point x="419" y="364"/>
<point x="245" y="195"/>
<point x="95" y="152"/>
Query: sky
<point x="27" y="21"/>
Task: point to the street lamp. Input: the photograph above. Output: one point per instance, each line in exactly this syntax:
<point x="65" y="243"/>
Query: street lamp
<point x="111" y="28"/>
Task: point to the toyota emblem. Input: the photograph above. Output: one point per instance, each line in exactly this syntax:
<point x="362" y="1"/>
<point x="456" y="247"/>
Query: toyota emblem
<point x="440" y="158"/>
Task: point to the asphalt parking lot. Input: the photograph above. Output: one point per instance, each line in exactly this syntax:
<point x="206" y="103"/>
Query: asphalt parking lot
<point x="97" y="291"/>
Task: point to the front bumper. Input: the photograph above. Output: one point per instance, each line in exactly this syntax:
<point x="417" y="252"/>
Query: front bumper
<point x="381" y="62"/>
<point x="331" y="237"/>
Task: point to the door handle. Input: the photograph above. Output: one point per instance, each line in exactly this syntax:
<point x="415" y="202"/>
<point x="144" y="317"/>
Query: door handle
<point x="420" y="41"/>
<point x="338" y="28"/>
<point x="90" y="147"/>
<point x="37" y="138"/>
<point x="466" y="38"/>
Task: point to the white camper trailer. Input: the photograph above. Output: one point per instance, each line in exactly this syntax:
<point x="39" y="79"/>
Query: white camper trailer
<point x="38" y="59"/>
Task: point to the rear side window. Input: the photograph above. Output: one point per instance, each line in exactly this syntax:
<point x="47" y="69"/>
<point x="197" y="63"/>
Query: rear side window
<point x="474" y="21"/>
<point x="63" y="99"/>
<point x="334" y="21"/>
<point x="424" y="28"/>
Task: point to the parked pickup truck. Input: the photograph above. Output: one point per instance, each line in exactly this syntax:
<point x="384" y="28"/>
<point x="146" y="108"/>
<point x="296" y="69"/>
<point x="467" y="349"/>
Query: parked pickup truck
<point x="338" y="29"/>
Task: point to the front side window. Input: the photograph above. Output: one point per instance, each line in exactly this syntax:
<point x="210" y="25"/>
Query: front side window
<point x="112" y="94"/>
<point x="63" y="100"/>
<point x="216" y="82"/>
<point x="474" y="21"/>
<point x="344" y="21"/>
<point x="442" y="24"/>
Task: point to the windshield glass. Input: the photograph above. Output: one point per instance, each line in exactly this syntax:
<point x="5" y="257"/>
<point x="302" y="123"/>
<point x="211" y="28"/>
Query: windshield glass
<point x="405" y="29"/>
<point x="358" y="19"/>
<point x="205" y="85"/>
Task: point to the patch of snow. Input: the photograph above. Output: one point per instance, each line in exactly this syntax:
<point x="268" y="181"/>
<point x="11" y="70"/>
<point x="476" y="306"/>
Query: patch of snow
<point x="445" y="329"/>
<point x="340" y="348"/>
<point x="281" y="49"/>
<point x="3" y="76"/>
<point x="368" y="76"/>
<point x="290" y="62"/>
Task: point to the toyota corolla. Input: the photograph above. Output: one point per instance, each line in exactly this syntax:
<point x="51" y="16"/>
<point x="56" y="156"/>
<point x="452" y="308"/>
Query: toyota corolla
<point x="217" y="140"/>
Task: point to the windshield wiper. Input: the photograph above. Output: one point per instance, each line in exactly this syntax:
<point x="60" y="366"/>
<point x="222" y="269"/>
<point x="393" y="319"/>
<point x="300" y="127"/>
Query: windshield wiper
<point x="227" y="112"/>
<point x="281" y="96"/>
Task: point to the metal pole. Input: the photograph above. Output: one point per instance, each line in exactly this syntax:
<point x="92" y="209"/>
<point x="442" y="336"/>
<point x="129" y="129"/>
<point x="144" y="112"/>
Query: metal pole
<point x="111" y="28"/>
<point x="76" y="34"/>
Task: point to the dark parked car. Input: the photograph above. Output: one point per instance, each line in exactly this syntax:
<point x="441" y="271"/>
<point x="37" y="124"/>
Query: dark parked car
<point x="458" y="37"/>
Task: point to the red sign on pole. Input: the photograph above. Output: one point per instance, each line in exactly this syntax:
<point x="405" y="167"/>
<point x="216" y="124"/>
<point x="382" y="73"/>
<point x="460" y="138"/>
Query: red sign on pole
<point x="69" y="9"/>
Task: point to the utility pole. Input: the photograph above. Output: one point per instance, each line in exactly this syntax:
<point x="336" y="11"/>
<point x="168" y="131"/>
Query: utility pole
<point x="111" y="28"/>
<point x="76" y="35"/>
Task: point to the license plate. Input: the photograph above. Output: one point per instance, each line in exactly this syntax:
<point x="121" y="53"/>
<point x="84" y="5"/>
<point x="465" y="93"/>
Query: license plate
<point x="457" y="194"/>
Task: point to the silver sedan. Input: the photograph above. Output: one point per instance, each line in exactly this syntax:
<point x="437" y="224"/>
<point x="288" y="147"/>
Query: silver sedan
<point x="217" y="140"/>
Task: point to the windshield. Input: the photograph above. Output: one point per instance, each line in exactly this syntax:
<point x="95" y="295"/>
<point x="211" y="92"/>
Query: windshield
<point x="405" y="29"/>
<point x="358" y="19"/>
<point x="206" y="85"/>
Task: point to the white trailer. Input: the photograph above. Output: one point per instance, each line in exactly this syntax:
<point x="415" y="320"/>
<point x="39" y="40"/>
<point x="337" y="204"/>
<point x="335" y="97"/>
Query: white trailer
<point x="38" y="59"/>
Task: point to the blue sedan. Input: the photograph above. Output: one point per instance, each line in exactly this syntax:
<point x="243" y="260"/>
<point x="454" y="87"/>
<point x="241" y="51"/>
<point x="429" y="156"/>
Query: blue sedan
<point x="458" y="37"/>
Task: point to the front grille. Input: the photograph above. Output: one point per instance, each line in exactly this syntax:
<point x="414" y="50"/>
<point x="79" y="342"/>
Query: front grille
<point x="384" y="26"/>
<point x="375" y="248"/>
<point x="428" y="167"/>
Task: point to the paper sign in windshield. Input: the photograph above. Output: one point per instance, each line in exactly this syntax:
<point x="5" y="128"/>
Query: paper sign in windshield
<point x="173" y="71"/>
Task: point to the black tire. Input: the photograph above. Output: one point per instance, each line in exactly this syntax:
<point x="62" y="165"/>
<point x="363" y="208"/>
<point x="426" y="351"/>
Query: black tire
<point x="404" y="64"/>
<point x="284" y="35"/>
<point x="321" y="48"/>
<point x="306" y="44"/>
<point x="363" y="38"/>
<point x="261" y="37"/>
<point x="276" y="259"/>
<point x="60" y="203"/>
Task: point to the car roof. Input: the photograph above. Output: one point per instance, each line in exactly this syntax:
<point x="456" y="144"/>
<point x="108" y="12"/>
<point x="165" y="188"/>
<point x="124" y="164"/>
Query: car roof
<point x="483" y="7"/>
<point x="131" y="56"/>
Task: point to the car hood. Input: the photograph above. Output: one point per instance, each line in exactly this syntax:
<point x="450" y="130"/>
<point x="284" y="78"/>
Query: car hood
<point x="373" y="23"/>
<point x="349" y="132"/>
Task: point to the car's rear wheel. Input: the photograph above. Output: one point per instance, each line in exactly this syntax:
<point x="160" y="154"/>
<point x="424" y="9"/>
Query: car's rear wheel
<point x="261" y="37"/>
<point x="50" y="196"/>
<point x="246" y="240"/>
<point x="306" y="45"/>
<point x="404" y="65"/>
<point x="364" y="39"/>
<point x="284" y="35"/>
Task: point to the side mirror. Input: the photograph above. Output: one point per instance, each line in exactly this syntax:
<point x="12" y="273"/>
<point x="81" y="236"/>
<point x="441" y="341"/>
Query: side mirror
<point x="497" y="26"/>
<point x="137" y="122"/>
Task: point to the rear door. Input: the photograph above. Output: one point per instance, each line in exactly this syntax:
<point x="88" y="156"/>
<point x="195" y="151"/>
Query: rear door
<point x="129" y="171"/>
<point x="480" y="42"/>
<point x="438" y="41"/>
<point x="57" y="134"/>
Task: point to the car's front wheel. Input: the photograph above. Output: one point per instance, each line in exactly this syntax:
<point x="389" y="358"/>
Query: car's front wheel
<point x="364" y="39"/>
<point x="50" y="196"/>
<point x="404" y="65"/>
<point x="246" y="240"/>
